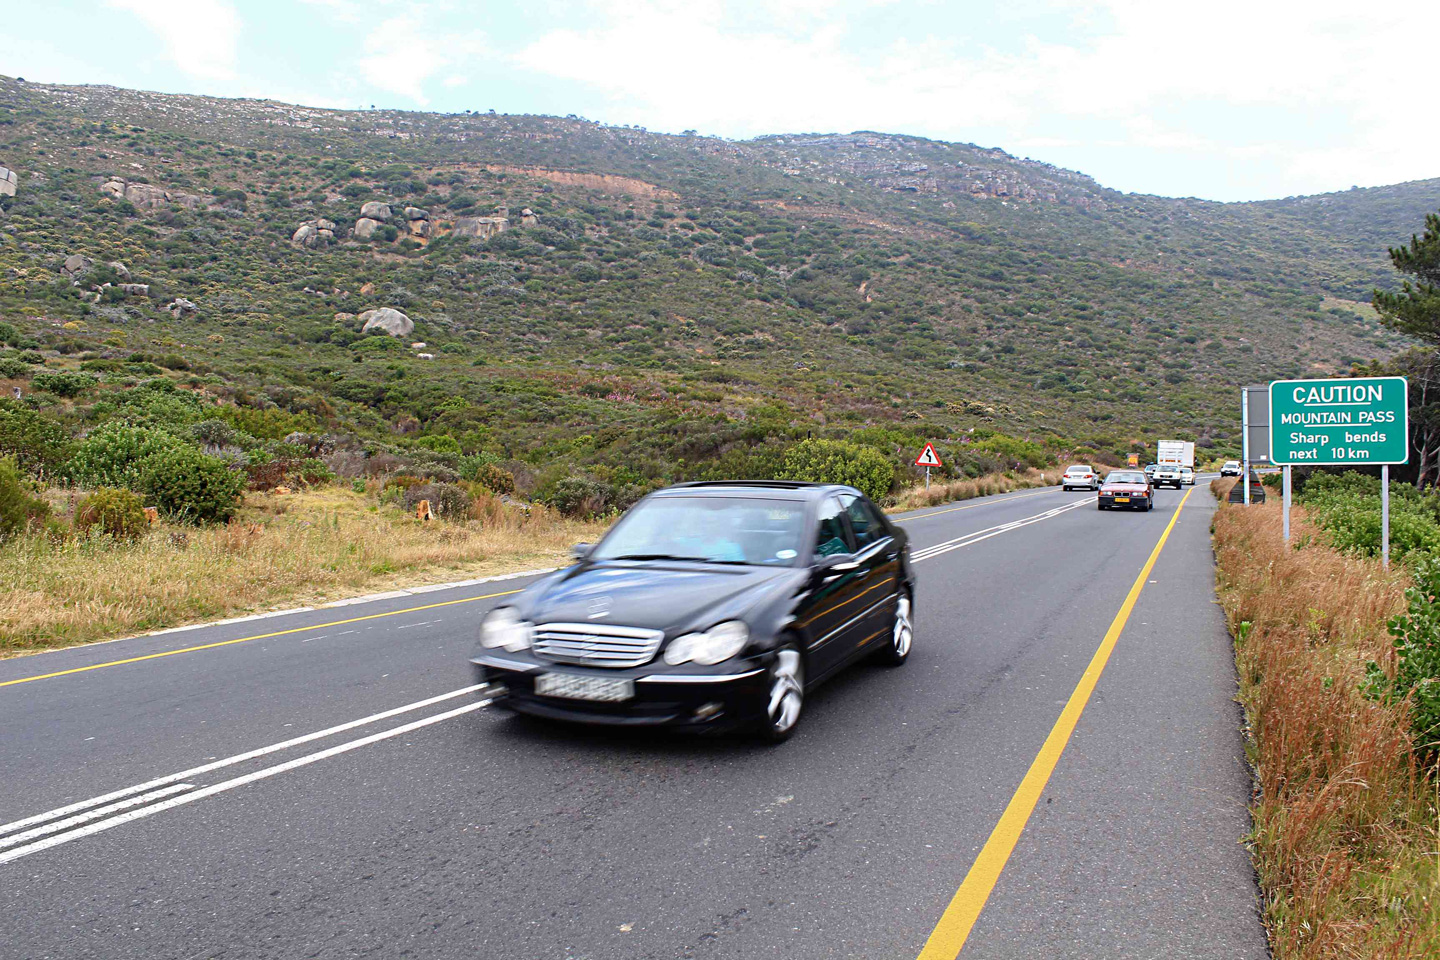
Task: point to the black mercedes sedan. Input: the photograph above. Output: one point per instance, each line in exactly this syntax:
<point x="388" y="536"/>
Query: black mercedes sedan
<point x="708" y="605"/>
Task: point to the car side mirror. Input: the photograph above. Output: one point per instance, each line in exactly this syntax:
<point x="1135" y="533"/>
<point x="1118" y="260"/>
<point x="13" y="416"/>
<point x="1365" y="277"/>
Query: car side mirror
<point x="581" y="550"/>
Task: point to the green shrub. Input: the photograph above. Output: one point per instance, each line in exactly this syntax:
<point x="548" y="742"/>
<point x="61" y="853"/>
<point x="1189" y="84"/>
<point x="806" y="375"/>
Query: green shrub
<point x="1015" y="451"/>
<point x="494" y="478"/>
<point x="116" y="513"/>
<point x="63" y="384"/>
<point x="1416" y="637"/>
<point x="36" y="443"/>
<point x="113" y="452"/>
<point x="440" y="443"/>
<point x="838" y="461"/>
<point x="447" y="501"/>
<point x="12" y="369"/>
<point x="191" y="486"/>
<point x="19" y="511"/>
<point x="577" y="497"/>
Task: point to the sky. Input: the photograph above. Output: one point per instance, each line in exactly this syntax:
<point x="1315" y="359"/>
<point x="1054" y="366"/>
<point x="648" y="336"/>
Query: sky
<point x="1225" y="100"/>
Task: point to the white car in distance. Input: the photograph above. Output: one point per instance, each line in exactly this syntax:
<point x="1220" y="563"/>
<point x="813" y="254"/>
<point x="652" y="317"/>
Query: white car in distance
<point x="1080" y="475"/>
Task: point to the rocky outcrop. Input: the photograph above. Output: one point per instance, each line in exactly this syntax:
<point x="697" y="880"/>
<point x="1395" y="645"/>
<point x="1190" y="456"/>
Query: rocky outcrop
<point x="417" y="221"/>
<point x="365" y="228"/>
<point x="9" y="182"/>
<point x="121" y="271"/>
<point x="528" y="218"/>
<point x="76" y="265"/>
<point x="135" y="289"/>
<point x="387" y="319"/>
<point x="314" y="233"/>
<point x="367" y="288"/>
<point x="480" y="227"/>
<point x="146" y="196"/>
<point x="180" y="308"/>
<point x="375" y="210"/>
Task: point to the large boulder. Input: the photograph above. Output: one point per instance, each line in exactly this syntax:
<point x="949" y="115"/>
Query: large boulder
<point x="365" y="228"/>
<point x="481" y="227"/>
<point x="76" y="265"/>
<point x="388" y="319"/>
<point x="375" y="210"/>
<point x="180" y="307"/>
<point x="9" y="182"/>
<point x="314" y="233"/>
<point x="416" y="213"/>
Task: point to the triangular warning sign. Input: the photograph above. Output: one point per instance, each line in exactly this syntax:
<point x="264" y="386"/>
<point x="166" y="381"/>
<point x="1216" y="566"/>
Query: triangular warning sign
<point x="928" y="457"/>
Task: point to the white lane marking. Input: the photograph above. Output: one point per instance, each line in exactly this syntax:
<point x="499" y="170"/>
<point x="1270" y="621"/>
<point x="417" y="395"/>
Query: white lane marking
<point x="972" y="538"/>
<point x="173" y="802"/>
<point x="231" y="761"/>
<point x="95" y="814"/>
<point x="984" y="501"/>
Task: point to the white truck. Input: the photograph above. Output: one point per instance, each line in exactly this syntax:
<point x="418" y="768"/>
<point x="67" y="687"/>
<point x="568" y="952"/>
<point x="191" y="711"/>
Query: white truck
<point x="1179" y="452"/>
<point x="1172" y="458"/>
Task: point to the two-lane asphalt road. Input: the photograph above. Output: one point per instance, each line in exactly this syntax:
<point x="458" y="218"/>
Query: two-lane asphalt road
<point x="327" y="783"/>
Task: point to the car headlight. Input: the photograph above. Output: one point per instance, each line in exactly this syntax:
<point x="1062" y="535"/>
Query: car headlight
<point x="718" y="644"/>
<point x="502" y="627"/>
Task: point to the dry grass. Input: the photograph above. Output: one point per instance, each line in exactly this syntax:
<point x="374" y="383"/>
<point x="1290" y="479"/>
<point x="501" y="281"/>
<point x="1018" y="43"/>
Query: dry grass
<point x="282" y="550"/>
<point x="1345" y="824"/>
<point x="918" y="497"/>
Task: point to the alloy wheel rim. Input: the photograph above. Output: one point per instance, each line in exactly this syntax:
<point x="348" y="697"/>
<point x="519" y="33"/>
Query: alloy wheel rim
<point x="904" y="633"/>
<point x="787" y="690"/>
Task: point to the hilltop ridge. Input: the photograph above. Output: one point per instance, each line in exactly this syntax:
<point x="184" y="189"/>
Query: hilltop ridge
<point x="587" y="293"/>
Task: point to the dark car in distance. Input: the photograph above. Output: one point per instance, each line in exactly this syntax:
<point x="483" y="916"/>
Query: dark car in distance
<point x="1126" y="489"/>
<point x="708" y="605"/>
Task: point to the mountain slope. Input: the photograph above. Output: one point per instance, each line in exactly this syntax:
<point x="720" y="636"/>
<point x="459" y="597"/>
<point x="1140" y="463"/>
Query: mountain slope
<point x="668" y="299"/>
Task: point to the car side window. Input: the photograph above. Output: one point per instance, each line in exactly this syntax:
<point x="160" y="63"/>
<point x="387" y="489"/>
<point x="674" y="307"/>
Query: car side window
<point x="831" y="537"/>
<point x="864" y="522"/>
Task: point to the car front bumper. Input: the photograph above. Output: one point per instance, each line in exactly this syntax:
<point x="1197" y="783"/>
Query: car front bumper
<point x="1159" y="481"/>
<point x="1136" y="501"/>
<point x="733" y="695"/>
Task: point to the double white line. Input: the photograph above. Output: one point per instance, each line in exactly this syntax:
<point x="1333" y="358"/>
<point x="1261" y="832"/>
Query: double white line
<point x="21" y="838"/>
<point x="63" y="824"/>
<point x="979" y="535"/>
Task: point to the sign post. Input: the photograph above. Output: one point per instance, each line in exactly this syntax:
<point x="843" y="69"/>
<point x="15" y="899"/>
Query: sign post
<point x="1360" y="421"/>
<point x="1245" y="444"/>
<point x="928" y="458"/>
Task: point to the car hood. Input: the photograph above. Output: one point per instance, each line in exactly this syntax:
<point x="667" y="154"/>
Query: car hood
<point x="654" y="595"/>
<point x="1123" y="488"/>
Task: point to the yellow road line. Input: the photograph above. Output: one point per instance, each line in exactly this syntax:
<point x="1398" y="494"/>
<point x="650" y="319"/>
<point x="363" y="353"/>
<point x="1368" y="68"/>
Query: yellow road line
<point x="949" y="935"/>
<point x="971" y="506"/>
<point x="258" y="636"/>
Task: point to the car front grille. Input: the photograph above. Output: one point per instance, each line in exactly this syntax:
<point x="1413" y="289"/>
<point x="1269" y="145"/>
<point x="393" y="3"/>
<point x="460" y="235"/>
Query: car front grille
<point x="596" y="645"/>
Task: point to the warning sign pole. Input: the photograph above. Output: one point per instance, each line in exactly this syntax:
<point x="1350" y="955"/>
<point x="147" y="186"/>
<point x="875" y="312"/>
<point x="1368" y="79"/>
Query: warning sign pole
<point x="928" y="458"/>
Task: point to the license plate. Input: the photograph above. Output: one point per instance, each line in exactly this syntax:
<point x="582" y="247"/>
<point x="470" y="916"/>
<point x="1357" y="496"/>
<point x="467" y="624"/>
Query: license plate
<point x="575" y="687"/>
<point x="1122" y="499"/>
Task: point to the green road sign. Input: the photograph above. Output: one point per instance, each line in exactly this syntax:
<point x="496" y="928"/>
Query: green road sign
<point x="1360" y="420"/>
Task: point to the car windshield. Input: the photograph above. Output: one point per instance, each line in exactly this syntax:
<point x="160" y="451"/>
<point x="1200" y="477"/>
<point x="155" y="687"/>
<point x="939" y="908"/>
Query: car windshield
<point x="1078" y="470"/>
<point x="709" y="530"/>
<point x="1125" y="476"/>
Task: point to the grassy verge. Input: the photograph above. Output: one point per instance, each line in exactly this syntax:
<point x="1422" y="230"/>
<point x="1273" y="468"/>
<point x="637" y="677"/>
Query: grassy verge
<point x="1345" y="820"/>
<point x="283" y="550"/>
<point x="917" y="497"/>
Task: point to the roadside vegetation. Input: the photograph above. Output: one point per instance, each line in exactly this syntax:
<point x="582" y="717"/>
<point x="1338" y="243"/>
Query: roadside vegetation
<point x="1338" y="662"/>
<point x="71" y="583"/>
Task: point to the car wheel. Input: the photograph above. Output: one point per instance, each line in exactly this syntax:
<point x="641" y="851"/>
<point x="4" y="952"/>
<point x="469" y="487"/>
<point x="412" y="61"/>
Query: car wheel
<point x="902" y="635"/>
<point x="785" y="700"/>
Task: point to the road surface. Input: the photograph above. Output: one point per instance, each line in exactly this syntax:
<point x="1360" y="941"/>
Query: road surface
<point x="324" y="784"/>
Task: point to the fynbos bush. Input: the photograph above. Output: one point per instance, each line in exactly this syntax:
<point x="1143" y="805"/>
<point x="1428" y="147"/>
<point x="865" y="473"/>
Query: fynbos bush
<point x="1416" y="636"/>
<point x="191" y="486"/>
<point x="117" y="513"/>
<point x="18" y="509"/>
<point x="836" y="461"/>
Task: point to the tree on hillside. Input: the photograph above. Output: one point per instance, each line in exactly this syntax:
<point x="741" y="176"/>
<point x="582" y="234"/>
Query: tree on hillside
<point x="1415" y="310"/>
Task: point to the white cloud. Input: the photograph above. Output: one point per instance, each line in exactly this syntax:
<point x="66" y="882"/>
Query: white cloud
<point x="1171" y="80"/>
<point x="200" y="36"/>
<point x="402" y="54"/>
